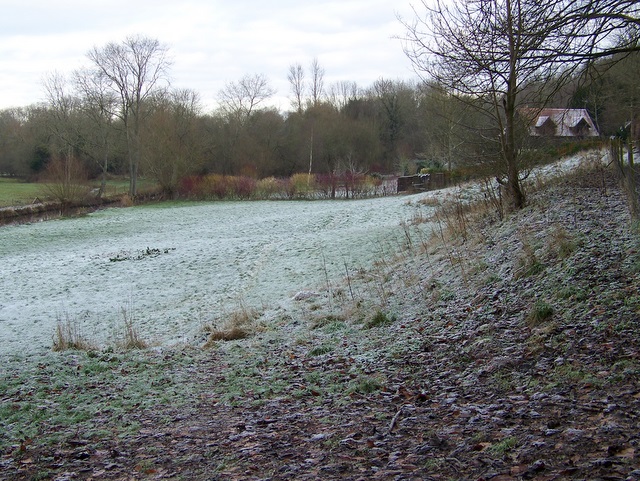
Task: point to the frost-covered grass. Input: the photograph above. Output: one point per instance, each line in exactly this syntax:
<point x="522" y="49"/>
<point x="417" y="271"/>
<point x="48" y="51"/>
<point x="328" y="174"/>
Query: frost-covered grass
<point x="174" y="267"/>
<point x="102" y="392"/>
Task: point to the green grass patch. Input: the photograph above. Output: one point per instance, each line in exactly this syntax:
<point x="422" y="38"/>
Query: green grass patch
<point x="379" y="319"/>
<point x="321" y="349"/>
<point x="364" y="385"/>
<point x="572" y="292"/>
<point x="54" y="395"/>
<point x="504" y="446"/>
<point x="15" y="192"/>
<point x="539" y="313"/>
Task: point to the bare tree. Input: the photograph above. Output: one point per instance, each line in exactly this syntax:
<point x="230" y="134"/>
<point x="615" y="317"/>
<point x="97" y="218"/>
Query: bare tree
<point x="623" y="102"/>
<point x="238" y="104"/>
<point x="295" y="77"/>
<point x="173" y="142"/>
<point x="65" y="175"/>
<point x="316" y="83"/>
<point x="341" y="93"/>
<point x="134" y="70"/>
<point x="491" y="50"/>
<point x="449" y="121"/>
<point x="396" y="102"/>
<point x="62" y="109"/>
<point x="66" y="180"/>
<point x="11" y="144"/>
<point x="239" y="99"/>
<point x="99" y="106"/>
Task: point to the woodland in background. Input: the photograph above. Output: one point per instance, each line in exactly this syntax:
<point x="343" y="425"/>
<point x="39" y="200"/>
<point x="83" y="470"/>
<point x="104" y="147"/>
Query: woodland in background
<point x="391" y="127"/>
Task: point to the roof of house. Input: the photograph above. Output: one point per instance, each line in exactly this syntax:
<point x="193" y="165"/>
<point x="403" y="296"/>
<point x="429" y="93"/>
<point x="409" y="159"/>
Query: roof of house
<point x="561" y="123"/>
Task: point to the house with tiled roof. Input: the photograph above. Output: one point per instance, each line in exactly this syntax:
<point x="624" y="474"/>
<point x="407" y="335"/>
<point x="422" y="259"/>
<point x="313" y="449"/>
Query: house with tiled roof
<point x="572" y="123"/>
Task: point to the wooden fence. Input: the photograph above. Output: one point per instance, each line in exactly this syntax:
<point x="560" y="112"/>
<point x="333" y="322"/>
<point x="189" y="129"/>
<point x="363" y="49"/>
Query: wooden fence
<point x="423" y="182"/>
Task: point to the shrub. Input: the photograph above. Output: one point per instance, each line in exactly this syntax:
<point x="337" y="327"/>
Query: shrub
<point x="286" y="187"/>
<point x="267" y="188"/>
<point x="359" y="185"/>
<point x="242" y="187"/>
<point x="302" y="185"/>
<point x="362" y="185"/>
<point x="189" y="186"/>
<point x="327" y="184"/>
<point x="126" y="200"/>
<point x="66" y="180"/>
<point x="214" y="186"/>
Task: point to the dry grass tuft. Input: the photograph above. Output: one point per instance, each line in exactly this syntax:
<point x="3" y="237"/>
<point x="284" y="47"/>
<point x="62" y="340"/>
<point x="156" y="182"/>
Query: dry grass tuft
<point x="126" y="200"/>
<point x="231" y="334"/>
<point x="561" y="243"/>
<point x="527" y="262"/>
<point x="68" y="336"/>
<point x="131" y="337"/>
<point x="458" y="219"/>
<point x="454" y="216"/>
<point x="239" y="324"/>
<point x="430" y="201"/>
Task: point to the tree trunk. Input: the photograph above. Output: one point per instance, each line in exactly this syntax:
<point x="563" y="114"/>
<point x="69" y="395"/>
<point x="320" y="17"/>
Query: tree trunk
<point x="134" y="159"/>
<point x="627" y="174"/>
<point x="631" y="179"/>
<point x="103" y="179"/>
<point x="510" y="152"/>
<point x="514" y="189"/>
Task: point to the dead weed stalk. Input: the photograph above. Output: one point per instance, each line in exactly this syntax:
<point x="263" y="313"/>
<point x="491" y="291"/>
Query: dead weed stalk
<point x="68" y="336"/>
<point x="493" y="197"/>
<point x="328" y="282"/>
<point x="346" y="269"/>
<point x="131" y="337"/>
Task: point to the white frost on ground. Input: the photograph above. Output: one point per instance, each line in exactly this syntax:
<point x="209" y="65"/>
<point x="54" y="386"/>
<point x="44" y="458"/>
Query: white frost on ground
<point x="220" y="256"/>
<point x="227" y="254"/>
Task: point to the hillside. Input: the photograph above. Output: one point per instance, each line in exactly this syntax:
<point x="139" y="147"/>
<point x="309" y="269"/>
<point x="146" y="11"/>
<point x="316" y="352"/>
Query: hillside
<point x="507" y="351"/>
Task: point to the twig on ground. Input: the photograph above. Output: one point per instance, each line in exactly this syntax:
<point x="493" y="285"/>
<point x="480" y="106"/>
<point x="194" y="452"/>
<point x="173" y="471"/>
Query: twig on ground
<point x="392" y="424"/>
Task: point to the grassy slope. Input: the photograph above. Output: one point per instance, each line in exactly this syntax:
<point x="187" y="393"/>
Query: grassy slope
<point x="508" y="352"/>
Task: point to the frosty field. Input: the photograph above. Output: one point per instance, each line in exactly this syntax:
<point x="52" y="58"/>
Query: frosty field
<point x="211" y="259"/>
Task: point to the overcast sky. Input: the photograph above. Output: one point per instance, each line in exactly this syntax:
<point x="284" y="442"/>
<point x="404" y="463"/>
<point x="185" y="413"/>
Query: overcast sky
<point x="211" y="42"/>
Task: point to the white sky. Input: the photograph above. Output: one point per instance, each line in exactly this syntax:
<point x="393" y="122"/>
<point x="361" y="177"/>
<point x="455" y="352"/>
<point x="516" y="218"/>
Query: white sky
<point x="211" y="42"/>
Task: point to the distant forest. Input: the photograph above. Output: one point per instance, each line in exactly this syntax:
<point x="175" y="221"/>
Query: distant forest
<point x="391" y="127"/>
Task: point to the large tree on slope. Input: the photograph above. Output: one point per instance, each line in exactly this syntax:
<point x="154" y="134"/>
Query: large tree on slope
<point x="501" y="55"/>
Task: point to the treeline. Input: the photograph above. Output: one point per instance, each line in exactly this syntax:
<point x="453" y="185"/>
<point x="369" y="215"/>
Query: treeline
<point x="336" y="138"/>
